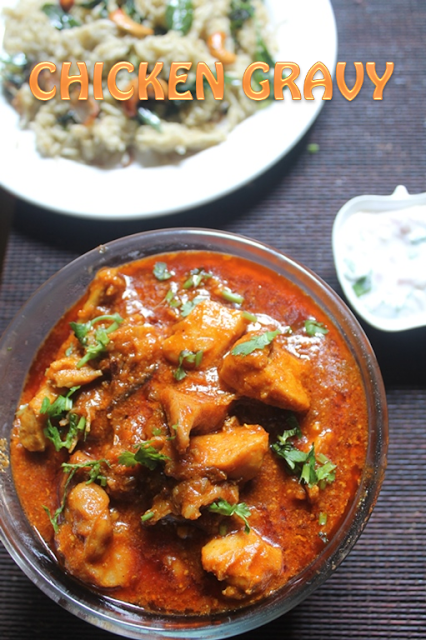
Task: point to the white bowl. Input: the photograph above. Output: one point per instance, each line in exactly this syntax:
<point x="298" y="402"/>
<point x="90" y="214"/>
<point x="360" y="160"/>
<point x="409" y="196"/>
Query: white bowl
<point x="400" y="199"/>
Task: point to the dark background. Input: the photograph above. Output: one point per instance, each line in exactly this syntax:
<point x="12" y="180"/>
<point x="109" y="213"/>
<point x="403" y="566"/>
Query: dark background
<point x="365" y="147"/>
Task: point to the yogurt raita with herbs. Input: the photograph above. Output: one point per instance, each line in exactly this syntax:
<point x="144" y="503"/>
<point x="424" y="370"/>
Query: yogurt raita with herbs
<point x="385" y="260"/>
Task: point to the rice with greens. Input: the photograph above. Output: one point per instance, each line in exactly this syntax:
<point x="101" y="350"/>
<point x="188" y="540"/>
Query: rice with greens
<point x="108" y="131"/>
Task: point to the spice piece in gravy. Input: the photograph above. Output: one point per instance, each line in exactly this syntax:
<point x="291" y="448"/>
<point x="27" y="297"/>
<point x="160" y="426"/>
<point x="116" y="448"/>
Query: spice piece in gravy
<point x="190" y="452"/>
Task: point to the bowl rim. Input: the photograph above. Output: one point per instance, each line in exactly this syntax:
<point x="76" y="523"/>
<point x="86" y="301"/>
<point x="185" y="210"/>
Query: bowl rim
<point x="375" y="204"/>
<point x="31" y="554"/>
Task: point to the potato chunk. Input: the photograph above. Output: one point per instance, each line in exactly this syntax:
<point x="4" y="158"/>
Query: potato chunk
<point x="210" y="328"/>
<point x="271" y="375"/>
<point x="246" y="562"/>
<point x="238" y="451"/>
<point x="193" y="411"/>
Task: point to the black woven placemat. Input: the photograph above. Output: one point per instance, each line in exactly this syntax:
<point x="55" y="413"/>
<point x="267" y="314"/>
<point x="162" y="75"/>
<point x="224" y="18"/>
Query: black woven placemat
<point x="365" y="147"/>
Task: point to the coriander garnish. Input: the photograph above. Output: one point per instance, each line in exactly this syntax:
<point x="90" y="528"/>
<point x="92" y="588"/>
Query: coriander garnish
<point x="187" y="357"/>
<point x="230" y="296"/>
<point x="146" y="455"/>
<point x="188" y="306"/>
<point x="94" y="476"/>
<point x="97" y="345"/>
<point x="258" y="342"/>
<point x="59" y="416"/>
<point x="314" y="328"/>
<point x="240" y="509"/>
<point x="161" y="272"/>
<point x="362" y="285"/>
<point x="196" y="278"/>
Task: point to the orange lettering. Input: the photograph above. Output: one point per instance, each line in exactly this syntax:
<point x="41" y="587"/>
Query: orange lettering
<point x="325" y="82"/>
<point x="66" y="80"/>
<point x="280" y="82"/>
<point x="175" y="79"/>
<point x="152" y="79"/>
<point x="349" y="94"/>
<point x="379" y="82"/>
<point x="98" y="93"/>
<point x="112" y="81"/>
<point x="35" y="89"/>
<point x="217" y="85"/>
<point x="248" y="73"/>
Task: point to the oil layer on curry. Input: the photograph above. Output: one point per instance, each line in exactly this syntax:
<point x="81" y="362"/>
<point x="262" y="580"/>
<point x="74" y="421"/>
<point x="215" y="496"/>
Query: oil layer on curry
<point x="191" y="434"/>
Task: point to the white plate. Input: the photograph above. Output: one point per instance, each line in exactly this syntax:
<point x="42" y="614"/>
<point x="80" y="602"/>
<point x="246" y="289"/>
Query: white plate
<point x="306" y="33"/>
<point x="400" y="199"/>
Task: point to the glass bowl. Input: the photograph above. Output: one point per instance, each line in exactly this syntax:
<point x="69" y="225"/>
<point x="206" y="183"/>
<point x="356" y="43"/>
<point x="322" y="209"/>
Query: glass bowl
<point x="18" y="348"/>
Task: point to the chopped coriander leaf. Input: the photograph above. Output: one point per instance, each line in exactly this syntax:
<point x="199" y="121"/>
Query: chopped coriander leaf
<point x="258" y="342"/>
<point x="230" y="296"/>
<point x="147" y="516"/>
<point x="161" y="272"/>
<point x="362" y="285"/>
<point x="313" y="147"/>
<point x="196" y="278"/>
<point x="82" y="329"/>
<point x="308" y="474"/>
<point x="76" y="425"/>
<point x="314" y="328"/>
<point x="187" y="357"/>
<point x="322" y="519"/>
<point x="179" y="15"/>
<point x="59" y="18"/>
<point x="146" y="455"/>
<point x="61" y="405"/>
<point x="100" y="339"/>
<point x="94" y="468"/>
<point x="71" y="469"/>
<point x="172" y="299"/>
<point x="249" y="316"/>
<point x="311" y="469"/>
<point x="68" y="352"/>
<point x="188" y="306"/>
<point x="240" y="509"/>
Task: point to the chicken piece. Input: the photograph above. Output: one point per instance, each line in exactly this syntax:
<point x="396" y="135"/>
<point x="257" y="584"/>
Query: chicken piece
<point x="246" y="562"/>
<point x="271" y="375"/>
<point x="238" y="451"/>
<point x="133" y="349"/>
<point x="64" y="373"/>
<point x="31" y="422"/>
<point x="92" y="550"/>
<point x="106" y="286"/>
<point x="191" y="495"/>
<point x="210" y="328"/>
<point x="193" y="411"/>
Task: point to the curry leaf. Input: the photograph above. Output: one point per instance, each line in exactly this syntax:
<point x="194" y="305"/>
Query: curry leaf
<point x="179" y="15"/>
<point x="59" y="18"/>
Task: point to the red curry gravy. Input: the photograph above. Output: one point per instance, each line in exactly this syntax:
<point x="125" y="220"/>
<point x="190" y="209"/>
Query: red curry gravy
<point x="157" y="528"/>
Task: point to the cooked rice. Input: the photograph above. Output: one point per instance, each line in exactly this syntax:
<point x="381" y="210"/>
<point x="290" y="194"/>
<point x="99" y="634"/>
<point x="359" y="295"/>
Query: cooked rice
<point x="112" y="136"/>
